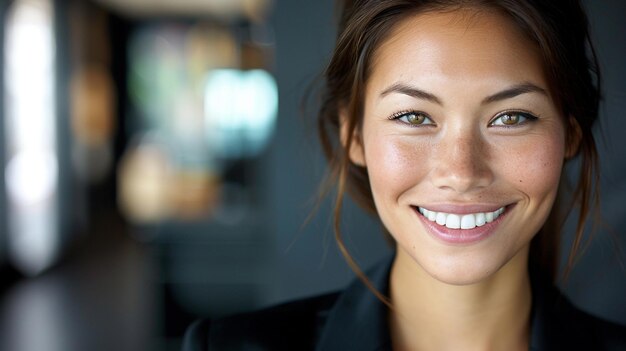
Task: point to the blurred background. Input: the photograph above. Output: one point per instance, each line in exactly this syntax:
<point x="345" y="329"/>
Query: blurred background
<point x="157" y="166"/>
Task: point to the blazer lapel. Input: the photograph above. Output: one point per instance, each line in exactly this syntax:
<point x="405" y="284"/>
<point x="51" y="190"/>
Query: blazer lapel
<point x="358" y="321"/>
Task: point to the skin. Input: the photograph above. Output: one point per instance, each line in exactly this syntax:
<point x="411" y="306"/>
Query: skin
<point x="471" y="296"/>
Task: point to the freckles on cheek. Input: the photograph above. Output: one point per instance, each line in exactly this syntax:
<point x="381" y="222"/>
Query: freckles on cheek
<point x="537" y="169"/>
<point x="394" y="163"/>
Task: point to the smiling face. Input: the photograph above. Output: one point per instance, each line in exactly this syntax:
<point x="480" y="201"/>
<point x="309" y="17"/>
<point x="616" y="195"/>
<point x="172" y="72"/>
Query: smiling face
<point x="462" y="143"/>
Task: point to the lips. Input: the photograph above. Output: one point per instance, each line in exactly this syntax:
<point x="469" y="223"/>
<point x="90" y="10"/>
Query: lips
<point x="461" y="221"/>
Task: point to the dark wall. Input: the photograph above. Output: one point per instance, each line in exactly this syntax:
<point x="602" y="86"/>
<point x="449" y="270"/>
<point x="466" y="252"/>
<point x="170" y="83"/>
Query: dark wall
<point x="307" y="257"/>
<point x="598" y="282"/>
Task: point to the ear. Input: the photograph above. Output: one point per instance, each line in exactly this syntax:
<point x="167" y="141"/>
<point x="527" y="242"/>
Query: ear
<point x="572" y="140"/>
<point x="356" y="153"/>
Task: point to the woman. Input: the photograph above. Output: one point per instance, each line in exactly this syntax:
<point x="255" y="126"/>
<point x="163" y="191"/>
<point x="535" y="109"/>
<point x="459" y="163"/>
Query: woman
<point x="451" y="120"/>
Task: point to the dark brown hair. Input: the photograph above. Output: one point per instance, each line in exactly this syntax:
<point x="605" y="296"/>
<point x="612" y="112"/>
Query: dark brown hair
<point x="559" y="28"/>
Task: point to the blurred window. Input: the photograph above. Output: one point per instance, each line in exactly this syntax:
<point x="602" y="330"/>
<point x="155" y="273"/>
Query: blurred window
<point x="203" y="100"/>
<point x="240" y="109"/>
<point x="30" y="135"/>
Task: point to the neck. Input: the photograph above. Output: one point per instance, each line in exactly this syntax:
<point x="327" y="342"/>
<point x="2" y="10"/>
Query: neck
<point x="428" y="314"/>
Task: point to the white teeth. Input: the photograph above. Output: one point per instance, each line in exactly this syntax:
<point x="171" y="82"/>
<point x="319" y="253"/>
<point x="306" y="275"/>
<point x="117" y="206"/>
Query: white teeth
<point x="465" y="221"/>
<point x="432" y="216"/>
<point x="453" y="221"/>
<point x="489" y="217"/>
<point x="480" y="219"/>
<point x="468" y="221"/>
<point x="441" y="218"/>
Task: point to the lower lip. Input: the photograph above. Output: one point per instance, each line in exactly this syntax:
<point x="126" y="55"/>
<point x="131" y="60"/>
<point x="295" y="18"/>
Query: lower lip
<point x="461" y="236"/>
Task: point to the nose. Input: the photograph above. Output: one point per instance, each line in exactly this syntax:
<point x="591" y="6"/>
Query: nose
<point x="461" y="162"/>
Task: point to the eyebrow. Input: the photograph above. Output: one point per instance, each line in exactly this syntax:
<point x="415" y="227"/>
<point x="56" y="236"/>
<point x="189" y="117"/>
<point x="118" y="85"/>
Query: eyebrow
<point x="508" y="93"/>
<point x="514" y="91"/>
<point x="402" y="88"/>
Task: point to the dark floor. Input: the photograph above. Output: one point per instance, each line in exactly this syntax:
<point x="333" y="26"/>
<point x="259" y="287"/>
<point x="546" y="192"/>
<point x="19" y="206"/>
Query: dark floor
<point x="100" y="297"/>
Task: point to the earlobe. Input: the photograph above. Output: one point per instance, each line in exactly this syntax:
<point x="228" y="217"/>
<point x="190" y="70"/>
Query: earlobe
<point x="573" y="139"/>
<point x="355" y="151"/>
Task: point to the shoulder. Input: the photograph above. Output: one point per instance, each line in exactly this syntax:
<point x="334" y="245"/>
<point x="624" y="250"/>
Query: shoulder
<point x="290" y="326"/>
<point x="559" y="324"/>
<point x="353" y="319"/>
<point x="606" y="335"/>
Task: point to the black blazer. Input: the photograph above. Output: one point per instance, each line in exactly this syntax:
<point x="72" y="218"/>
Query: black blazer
<point x="356" y="320"/>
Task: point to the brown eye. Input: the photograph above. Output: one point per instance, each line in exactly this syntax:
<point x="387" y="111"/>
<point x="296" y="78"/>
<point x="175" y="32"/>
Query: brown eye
<point x="414" y="118"/>
<point x="512" y="119"/>
<point x="509" y="119"/>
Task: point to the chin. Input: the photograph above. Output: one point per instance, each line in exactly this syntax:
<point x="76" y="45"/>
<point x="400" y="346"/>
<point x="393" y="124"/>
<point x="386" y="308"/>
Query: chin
<point x="462" y="271"/>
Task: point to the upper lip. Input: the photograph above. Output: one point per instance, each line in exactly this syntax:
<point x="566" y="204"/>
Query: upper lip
<point x="462" y="208"/>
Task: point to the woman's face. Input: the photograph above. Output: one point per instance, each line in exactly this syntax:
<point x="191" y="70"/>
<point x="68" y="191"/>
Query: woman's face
<point x="458" y="127"/>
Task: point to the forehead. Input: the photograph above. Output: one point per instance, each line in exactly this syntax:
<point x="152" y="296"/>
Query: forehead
<point x="465" y="45"/>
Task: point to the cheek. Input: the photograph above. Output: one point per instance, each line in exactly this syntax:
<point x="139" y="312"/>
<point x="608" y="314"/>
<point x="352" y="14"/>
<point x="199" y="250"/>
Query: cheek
<point x="394" y="163"/>
<point x="535" y="168"/>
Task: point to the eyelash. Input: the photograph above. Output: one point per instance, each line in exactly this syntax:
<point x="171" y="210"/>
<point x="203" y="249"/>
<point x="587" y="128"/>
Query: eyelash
<point x="528" y="118"/>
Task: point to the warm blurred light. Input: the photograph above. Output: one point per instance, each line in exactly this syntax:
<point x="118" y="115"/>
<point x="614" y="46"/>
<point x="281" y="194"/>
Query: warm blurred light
<point x="193" y="193"/>
<point x="240" y="110"/>
<point x="209" y="46"/>
<point x="92" y="114"/>
<point x="31" y="171"/>
<point x="92" y="105"/>
<point x="153" y="189"/>
<point x="253" y="9"/>
<point x="143" y="182"/>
